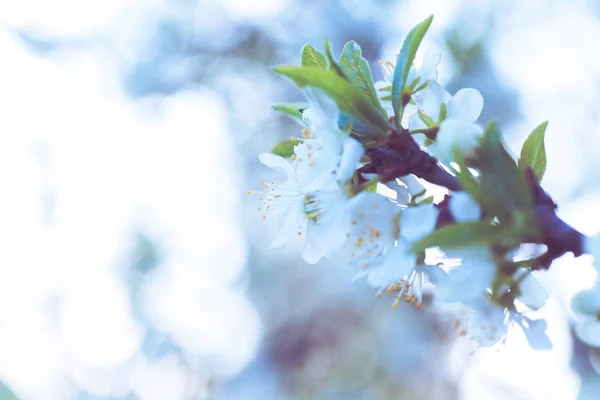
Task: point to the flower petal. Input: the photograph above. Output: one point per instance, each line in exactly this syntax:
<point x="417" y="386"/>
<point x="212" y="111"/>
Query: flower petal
<point x="465" y="285"/>
<point x="324" y="110"/>
<point x="431" y="98"/>
<point x="535" y="332"/>
<point x="277" y="163"/>
<point x="431" y="59"/>
<point x="456" y="135"/>
<point x="533" y="293"/>
<point x="351" y="155"/>
<point x="586" y="304"/>
<point x="413" y="184"/>
<point x="466" y="104"/>
<point x="589" y="332"/>
<point x="399" y="262"/>
<point x="418" y="222"/>
<point x="594" y="356"/>
<point x="292" y="220"/>
<point x="464" y="208"/>
<point x="591" y="245"/>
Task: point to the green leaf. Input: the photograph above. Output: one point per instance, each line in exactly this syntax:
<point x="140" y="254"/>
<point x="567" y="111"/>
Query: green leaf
<point x="351" y="100"/>
<point x="403" y="63"/>
<point x="311" y="57"/>
<point x="285" y="148"/>
<point x="333" y="65"/>
<point x="426" y="119"/>
<point x="503" y="185"/>
<point x="357" y="70"/>
<point x="291" y="109"/>
<point x="462" y="235"/>
<point x="467" y="181"/>
<point x="371" y="188"/>
<point x="533" y="153"/>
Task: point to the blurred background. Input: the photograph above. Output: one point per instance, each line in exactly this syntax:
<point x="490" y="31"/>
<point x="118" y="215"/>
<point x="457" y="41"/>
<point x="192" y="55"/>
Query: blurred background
<point x="133" y="265"/>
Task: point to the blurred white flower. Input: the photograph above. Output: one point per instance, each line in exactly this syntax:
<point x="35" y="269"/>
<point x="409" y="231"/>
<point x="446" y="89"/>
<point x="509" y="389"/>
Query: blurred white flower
<point x="426" y="72"/>
<point x="457" y="128"/>
<point x="591" y="245"/>
<point x="586" y="306"/>
<point x="533" y="293"/>
<point x="488" y="324"/>
<point x="397" y="270"/>
<point x="312" y="199"/>
<point x="464" y="208"/>
<point x="469" y="280"/>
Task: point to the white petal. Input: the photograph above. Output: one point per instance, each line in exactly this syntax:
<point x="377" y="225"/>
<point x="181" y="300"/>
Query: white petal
<point x="434" y="273"/>
<point x="456" y="135"/>
<point x="398" y="264"/>
<point x="465" y="285"/>
<point x="382" y="85"/>
<point x="594" y="356"/>
<point x="413" y="184"/>
<point x="589" y="332"/>
<point x="533" y="293"/>
<point x="431" y="99"/>
<point x="418" y="222"/>
<point x="586" y="304"/>
<point x="591" y="245"/>
<point x="292" y="220"/>
<point x="351" y="155"/>
<point x="326" y="112"/>
<point x="466" y="105"/>
<point x="402" y="195"/>
<point x="431" y="59"/>
<point x="464" y="208"/>
<point x="278" y="163"/>
<point x="534" y="330"/>
<point x="415" y="122"/>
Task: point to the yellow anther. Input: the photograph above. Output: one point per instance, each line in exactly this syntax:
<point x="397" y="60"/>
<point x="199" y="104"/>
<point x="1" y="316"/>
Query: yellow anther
<point x="293" y="156"/>
<point x="293" y="140"/>
<point x="354" y="222"/>
<point x="312" y="164"/>
<point x="305" y="133"/>
<point x="380" y="62"/>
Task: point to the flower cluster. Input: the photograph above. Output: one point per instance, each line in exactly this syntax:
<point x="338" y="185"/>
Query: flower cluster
<point x="359" y="185"/>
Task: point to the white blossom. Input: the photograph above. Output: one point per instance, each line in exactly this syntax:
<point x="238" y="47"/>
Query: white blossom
<point x="457" y="128"/>
<point x="591" y="245"/>
<point x="471" y="278"/>
<point x="427" y="72"/>
<point x="312" y="198"/>
<point x="488" y="324"/>
<point x="586" y="306"/>
<point x="464" y="208"/>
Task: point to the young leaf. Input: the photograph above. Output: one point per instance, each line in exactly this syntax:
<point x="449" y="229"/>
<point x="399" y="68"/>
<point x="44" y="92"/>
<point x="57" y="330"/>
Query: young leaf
<point x="351" y="100"/>
<point x="284" y="149"/>
<point x="333" y="65"/>
<point x="504" y="186"/>
<point x="357" y="70"/>
<point x="311" y="57"/>
<point x="403" y="64"/>
<point x="291" y="109"/>
<point x="463" y="235"/>
<point x="533" y="153"/>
